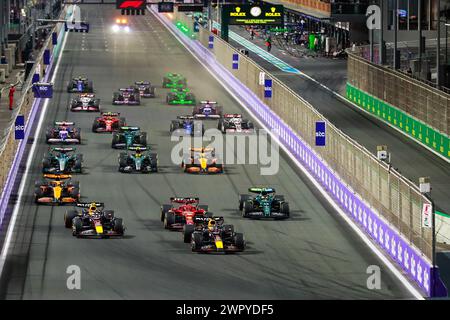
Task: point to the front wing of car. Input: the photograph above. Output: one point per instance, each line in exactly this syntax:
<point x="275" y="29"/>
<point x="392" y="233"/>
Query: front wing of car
<point x="260" y="214"/>
<point x="53" y="201"/>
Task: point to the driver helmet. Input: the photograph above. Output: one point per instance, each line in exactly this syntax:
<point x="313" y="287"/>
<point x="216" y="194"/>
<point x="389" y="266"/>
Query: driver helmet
<point x="211" y="224"/>
<point x="92" y="208"/>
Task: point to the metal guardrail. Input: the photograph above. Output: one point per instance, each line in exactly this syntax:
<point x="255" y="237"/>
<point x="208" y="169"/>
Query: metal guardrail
<point x="393" y="196"/>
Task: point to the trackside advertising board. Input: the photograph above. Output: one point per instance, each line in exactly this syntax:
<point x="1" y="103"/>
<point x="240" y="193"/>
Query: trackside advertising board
<point x="254" y="14"/>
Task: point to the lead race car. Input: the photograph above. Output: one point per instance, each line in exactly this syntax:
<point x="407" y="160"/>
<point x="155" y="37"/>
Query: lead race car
<point x="264" y="205"/>
<point x="63" y="132"/>
<point x="85" y="102"/>
<point x="233" y="123"/>
<point x="207" y="110"/>
<point x="174" y="80"/>
<point x="108" y="122"/>
<point x="128" y="137"/>
<point x="56" y="189"/>
<point x="187" y="126"/>
<point x="81" y="85"/>
<point x="145" y="88"/>
<point x="62" y="160"/>
<point x="127" y="96"/>
<point x="139" y="161"/>
<point x="181" y="212"/>
<point x="212" y="235"/>
<point x="93" y="221"/>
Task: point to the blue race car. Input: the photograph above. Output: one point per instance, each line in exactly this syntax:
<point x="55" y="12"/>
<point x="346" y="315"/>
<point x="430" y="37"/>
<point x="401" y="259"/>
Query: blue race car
<point x="187" y="126"/>
<point x="62" y="160"/>
<point x="80" y="85"/>
<point x="63" y="132"/>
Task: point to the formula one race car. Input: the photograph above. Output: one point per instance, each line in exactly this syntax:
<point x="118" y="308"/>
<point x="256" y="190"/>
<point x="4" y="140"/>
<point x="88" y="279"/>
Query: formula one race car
<point x="63" y="132"/>
<point x="264" y="205"/>
<point x="207" y="110"/>
<point x="85" y="102"/>
<point x="129" y="137"/>
<point x="140" y="161"/>
<point x="187" y="126"/>
<point x="60" y="190"/>
<point x="174" y="80"/>
<point x="121" y="24"/>
<point x="93" y="221"/>
<point x="108" y="122"/>
<point x="81" y="85"/>
<point x="127" y="96"/>
<point x="214" y="236"/>
<point x="202" y="160"/>
<point x="233" y="123"/>
<point x="181" y="212"/>
<point x="62" y="160"/>
<point x="180" y="97"/>
<point x="146" y="90"/>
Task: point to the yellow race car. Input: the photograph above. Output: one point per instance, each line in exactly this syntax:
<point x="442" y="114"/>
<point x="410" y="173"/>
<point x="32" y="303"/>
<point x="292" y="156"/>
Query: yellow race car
<point x="202" y="160"/>
<point x="56" y="189"/>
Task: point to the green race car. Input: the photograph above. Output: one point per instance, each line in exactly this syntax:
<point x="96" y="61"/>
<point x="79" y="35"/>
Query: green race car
<point x="264" y="204"/>
<point x="174" y="80"/>
<point x="180" y="97"/>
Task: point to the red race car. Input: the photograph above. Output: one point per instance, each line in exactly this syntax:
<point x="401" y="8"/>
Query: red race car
<point x="181" y="212"/>
<point x="108" y="122"/>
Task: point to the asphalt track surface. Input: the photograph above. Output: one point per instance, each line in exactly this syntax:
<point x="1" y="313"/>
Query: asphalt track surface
<point x="313" y="255"/>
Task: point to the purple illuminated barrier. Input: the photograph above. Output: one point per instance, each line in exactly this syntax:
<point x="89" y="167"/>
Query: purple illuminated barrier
<point x="408" y="258"/>
<point x="10" y="180"/>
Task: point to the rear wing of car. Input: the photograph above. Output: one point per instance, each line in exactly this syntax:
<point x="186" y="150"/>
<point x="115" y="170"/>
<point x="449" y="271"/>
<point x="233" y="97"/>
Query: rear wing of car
<point x="110" y="114"/>
<point x="80" y="79"/>
<point x="186" y="117"/>
<point x="63" y="149"/>
<point x="127" y="89"/>
<point x="57" y="176"/>
<point x="186" y="200"/>
<point x="88" y="204"/>
<point x="64" y="123"/>
<point x="202" y="150"/>
<point x="204" y="220"/>
<point x="173" y="75"/>
<point x="129" y="129"/>
<point x="87" y="95"/>
<point x="142" y="83"/>
<point x="261" y="190"/>
<point x="137" y="148"/>
<point x="208" y="102"/>
<point x="180" y="90"/>
<point x="232" y="115"/>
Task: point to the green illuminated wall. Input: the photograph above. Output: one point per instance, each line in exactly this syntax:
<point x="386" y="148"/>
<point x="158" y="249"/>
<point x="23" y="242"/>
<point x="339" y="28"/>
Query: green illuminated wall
<point x="401" y="120"/>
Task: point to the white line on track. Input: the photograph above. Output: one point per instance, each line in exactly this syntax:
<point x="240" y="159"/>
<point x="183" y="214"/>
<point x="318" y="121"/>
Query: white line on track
<point x="23" y="182"/>
<point x="401" y="277"/>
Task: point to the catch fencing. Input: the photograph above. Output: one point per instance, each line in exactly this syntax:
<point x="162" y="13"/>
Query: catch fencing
<point x="393" y="196"/>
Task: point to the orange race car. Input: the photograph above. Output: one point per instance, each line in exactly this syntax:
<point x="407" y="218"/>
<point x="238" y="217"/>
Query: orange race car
<point x="202" y="160"/>
<point x="57" y="189"/>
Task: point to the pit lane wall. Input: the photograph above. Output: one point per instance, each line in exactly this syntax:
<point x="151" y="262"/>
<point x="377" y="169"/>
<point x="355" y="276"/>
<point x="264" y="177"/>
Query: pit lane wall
<point x="11" y="150"/>
<point x="384" y="204"/>
<point x="416" y="109"/>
